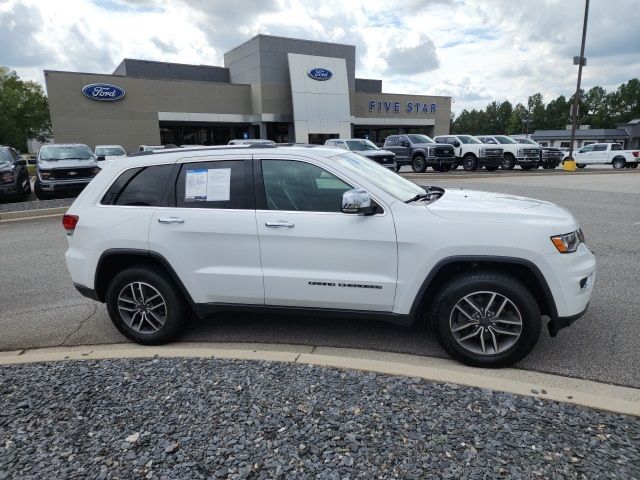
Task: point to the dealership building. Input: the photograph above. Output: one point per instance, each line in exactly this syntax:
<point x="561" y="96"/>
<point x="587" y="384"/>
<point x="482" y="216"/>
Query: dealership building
<point x="275" y="88"/>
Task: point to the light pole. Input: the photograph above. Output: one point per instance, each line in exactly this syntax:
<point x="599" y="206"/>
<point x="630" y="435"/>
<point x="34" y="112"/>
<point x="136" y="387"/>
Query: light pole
<point x="570" y="164"/>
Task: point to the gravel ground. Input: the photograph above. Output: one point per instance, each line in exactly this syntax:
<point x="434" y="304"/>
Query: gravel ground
<point x="34" y="205"/>
<point x="210" y="418"/>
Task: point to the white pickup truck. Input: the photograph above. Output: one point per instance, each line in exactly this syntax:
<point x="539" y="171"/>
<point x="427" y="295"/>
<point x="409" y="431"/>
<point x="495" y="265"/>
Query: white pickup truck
<point x="610" y="153"/>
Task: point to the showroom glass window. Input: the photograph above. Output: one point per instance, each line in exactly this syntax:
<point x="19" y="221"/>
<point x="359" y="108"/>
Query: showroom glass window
<point x="298" y="186"/>
<point x="213" y="184"/>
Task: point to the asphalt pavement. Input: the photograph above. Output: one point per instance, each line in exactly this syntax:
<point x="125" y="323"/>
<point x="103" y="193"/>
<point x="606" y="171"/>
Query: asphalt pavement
<point x="39" y="306"/>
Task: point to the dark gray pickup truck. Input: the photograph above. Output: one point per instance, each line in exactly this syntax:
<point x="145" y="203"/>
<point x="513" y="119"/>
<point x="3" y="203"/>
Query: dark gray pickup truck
<point x="420" y="152"/>
<point x="63" y="170"/>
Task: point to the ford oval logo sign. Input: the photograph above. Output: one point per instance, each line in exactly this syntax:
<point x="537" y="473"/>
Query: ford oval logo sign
<point x="321" y="74"/>
<point x="103" y="92"/>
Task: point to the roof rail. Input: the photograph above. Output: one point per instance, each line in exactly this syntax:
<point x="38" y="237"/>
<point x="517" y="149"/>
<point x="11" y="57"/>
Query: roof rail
<point x="200" y="149"/>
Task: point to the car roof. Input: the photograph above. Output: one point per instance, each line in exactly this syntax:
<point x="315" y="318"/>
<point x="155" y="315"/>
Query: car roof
<point x="109" y="146"/>
<point x="64" y="145"/>
<point x="172" y="154"/>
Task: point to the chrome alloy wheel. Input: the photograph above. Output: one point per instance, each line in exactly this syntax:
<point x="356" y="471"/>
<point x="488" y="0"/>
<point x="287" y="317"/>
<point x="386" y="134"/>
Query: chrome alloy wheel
<point x="142" y="307"/>
<point x="485" y="323"/>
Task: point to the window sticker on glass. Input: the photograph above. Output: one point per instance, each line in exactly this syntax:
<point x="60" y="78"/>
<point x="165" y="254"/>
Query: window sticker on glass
<point x="196" y="185"/>
<point x="219" y="185"/>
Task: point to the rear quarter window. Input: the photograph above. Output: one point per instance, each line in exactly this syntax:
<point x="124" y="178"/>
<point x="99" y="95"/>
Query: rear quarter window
<point x="143" y="187"/>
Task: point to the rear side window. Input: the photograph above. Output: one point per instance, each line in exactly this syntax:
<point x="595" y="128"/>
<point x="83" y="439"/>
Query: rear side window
<point x="599" y="148"/>
<point x="220" y="184"/>
<point x="142" y="187"/>
<point x="616" y="146"/>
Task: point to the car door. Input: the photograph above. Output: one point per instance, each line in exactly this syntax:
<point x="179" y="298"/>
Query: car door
<point x="391" y="144"/>
<point x="404" y="147"/>
<point x="313" y="255"/>
<point x="599" y="153"/>
<point x="206" y="229"/>
<point x="584" y="155"/>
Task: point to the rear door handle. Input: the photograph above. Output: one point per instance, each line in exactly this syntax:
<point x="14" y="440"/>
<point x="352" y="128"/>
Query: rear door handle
<point x="170" y="220"/>
<point x="279" y="224"/>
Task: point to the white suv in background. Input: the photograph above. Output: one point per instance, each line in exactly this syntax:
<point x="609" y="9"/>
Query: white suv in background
<point x="527" y="156"/>
<point x="471" y="153"/>
<point x="323" y="231"/>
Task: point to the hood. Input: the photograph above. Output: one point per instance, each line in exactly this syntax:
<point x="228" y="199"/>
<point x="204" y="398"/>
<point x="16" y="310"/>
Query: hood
<point x="477" y="206"/>
<point x="54" y="164"/>
<point x="376" y="153"/>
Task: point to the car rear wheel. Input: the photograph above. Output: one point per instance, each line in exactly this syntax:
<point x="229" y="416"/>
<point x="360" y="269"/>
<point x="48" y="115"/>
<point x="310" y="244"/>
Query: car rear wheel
<point x="145" y="305"/>
<point x="486" y="319"/>
<point x="419" y="164"/>
<point x="469" y="163"/>
<point x="508" y="162"/>
<point x="618" y="163"/>
<point x="633" y="165"/>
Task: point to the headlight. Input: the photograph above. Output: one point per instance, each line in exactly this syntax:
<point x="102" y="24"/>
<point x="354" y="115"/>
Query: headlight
<point x="45" y="174"/>
<point x="483" y="152"/>
<point x="520" y="153"/>
<point x="569" y="242"/>
<point x="7" y="177"/>
<point x="432" y="152"/>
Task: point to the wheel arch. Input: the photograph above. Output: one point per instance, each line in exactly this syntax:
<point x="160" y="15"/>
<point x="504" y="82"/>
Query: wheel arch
<point x="470" y="154"/>
<point x="619" y="157"/>
<point x="113" y="261"/>
<point x="446" y="269"/>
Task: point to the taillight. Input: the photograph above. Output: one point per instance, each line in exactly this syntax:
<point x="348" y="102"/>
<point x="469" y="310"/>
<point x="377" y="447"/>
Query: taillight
<point x="69" y="222"/>
<point x="636" y="153"/>
<point x="7" y="177"/>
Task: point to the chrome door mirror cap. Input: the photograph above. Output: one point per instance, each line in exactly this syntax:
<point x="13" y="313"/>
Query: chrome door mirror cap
<point x="357" y="201"/>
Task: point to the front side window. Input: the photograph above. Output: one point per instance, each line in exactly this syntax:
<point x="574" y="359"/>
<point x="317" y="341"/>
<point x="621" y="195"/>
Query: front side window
<point x="588" y="148"/>
<point x="299" y="186"/>
<point x="76" y="152"/>
<point x="219" y="184"/>
<point x="391" y="142"/>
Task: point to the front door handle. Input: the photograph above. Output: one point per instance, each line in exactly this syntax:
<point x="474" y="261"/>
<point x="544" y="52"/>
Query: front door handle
<point x="170" y="220"/>
<point x="279" y="224"/>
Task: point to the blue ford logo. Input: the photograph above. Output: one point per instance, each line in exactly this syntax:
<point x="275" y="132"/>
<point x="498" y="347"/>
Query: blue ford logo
<point x="321" y="74"/>
<point x="103" y="92"/>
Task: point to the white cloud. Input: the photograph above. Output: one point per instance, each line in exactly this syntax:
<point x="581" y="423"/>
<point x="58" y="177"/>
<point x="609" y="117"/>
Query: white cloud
<point x="473" y="50"/>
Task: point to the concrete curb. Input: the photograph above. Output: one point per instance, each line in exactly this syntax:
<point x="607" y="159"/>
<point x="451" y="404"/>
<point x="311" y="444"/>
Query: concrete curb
<point x="551" y="387"/>
<point x="33" y="214"/>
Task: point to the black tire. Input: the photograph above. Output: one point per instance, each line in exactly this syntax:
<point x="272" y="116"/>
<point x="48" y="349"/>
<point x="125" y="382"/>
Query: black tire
<point x="633" y="165"/>
<point x="618" y="163"/>
<point x="177" y="311"/>
<point x="581" y="165"/>
<point x="491" y="169"/>
<point x="469" y="163"/>
<point x="527" y="167"/>
<point x="454" y="166"/>
<point x="27" y="190"/>
<point x="398" y="168"/>
<point x="444" y="308"/>
<point x="509" y="162"/>
<point x="419" y="164"/>
<point x="40" y="194"/>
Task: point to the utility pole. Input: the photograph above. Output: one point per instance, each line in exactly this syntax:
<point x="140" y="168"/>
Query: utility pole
<point x="571" y="165"/>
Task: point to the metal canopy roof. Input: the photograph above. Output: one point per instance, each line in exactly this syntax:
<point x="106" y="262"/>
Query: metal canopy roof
<point x="582" y="134"/>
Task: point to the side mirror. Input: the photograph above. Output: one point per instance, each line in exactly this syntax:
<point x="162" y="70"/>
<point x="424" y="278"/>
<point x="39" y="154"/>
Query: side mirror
<point x="100" y="158"/>
<point x="456" y="143"/>
<point x="21" y="163"/>
<point x="357" y="201"/>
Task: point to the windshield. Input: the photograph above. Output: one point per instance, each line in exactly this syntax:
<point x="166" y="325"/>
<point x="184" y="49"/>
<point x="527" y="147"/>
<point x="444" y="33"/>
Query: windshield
<point x="5" y="156"/>
<point x="110" y="152"/>
<point x="361" y="145"/>
<point x="468" y="139"/>
<point x="381" y="177"/>
<point x="505" y="140"/>
<point x="526" y="140"/>
<point x="420" y="139"/>
<point x="77" y="152"/>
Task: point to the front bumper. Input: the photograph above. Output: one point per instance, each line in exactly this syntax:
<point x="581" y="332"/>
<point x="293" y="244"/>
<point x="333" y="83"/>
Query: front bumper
<point x="558" y="323"/>
<point x="440" y="161"/>
<point x="63" y="185"/>
<point x="528" y="160"/>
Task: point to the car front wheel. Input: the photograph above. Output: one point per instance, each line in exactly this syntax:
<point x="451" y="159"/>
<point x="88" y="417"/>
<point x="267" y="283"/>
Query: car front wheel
<point x="486" y="319"/>
<point x="469" y="163"/>
<point x="145" y="305"/>
<point x="419" y="164"/>
<point x="508" y="162"/>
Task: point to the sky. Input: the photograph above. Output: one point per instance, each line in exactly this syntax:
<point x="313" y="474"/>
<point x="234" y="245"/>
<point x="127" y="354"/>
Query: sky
<point x="475" y="51"/>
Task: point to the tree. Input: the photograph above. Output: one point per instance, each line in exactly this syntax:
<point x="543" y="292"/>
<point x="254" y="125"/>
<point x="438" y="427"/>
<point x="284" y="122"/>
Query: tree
<point x="537" y="112"/>
<point x="557" y="114"/>
<point x="504" y="115"/>
<point x="517" y="120"/>
<point x="625" y="102"/>
<point x="24" y="111"/>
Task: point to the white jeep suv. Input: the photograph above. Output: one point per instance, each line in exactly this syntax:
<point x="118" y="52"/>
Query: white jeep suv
<point x="323" y="231"/>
